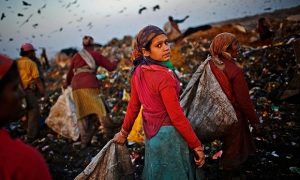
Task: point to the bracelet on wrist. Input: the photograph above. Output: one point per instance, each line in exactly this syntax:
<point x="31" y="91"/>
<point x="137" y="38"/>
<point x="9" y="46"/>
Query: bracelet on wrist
<point x="199" y="148"/>
<point x="123" y="133"/>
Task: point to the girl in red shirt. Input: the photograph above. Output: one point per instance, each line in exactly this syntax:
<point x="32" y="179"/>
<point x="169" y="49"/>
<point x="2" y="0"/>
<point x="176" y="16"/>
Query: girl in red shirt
<point x="168" y="132"/>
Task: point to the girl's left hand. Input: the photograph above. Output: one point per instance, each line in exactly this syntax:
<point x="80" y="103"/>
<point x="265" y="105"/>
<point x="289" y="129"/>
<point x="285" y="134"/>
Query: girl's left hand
<point x="199" y="157"/>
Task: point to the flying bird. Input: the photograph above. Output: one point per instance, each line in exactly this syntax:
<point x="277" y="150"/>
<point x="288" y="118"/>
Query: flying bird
<point x="26" y="3"/>
<point x="90" y="25"/>
<point x="156" y="7"/>
<point x="2" y="16"/>
<point x="74" y="2"/>
<point x="43" y="7"/>
<point x="142" y="9"/>
<point x="20" y="14"/>
<point x="35" y="25"/>
<point x="27" y="20"/>
<point x="267" y="9"/>
<point x="60" y="29"/>
<point x="68" y="5"/>
<point x="80" y="19"/>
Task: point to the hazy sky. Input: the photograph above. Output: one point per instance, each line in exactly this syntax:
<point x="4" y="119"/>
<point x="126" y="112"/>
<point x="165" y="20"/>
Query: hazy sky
<point x="57" y="24"/>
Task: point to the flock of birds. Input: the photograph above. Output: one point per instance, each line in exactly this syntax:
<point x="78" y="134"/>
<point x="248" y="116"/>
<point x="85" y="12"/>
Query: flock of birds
<point x="35" y="25"/>
<point x="26" y="18"/>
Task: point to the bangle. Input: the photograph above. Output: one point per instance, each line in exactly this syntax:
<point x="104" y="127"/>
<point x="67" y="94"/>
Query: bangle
<point x="199" y="148"/>
<point x="124" y="133"/>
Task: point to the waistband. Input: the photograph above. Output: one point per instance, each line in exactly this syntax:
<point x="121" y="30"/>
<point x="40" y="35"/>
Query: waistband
<point x="83" y="69"/>
<point x="167" y="121"/>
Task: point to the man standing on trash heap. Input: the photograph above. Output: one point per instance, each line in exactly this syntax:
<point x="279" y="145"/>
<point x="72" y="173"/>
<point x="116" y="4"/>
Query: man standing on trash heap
<point x="31" y="83"/>
<point x="172" y="30"/>
<point x="86" y="91"/>
<point x="17" y="160"/>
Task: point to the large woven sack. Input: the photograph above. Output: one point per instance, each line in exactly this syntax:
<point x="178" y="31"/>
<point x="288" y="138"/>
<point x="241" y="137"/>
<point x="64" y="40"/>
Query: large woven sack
<point x="111" y="163"/>
<point x="206" y="105"/>
<point x="62" y="117"/>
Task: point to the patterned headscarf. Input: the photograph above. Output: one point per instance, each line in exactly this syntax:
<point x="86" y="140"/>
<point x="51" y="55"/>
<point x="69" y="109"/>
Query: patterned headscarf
<point x="220" y="44"/>
<point x="143" y="38"/>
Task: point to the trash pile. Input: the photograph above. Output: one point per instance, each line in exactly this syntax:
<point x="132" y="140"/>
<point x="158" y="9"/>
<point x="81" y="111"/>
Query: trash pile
<point x="268" y="71"/>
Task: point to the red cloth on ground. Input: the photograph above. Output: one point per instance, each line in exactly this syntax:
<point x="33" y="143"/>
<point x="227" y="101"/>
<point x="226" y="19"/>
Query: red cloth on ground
<point x="157" y="89"/>
<point x="238" y="142"/>
<point x="20" y="161"/>
<point x="87" y="79"/>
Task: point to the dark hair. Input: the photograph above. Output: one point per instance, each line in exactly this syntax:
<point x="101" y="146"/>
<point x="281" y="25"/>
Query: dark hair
<point x="261" y="20"/>
<point x="24" y="53"/>
<point x="147" y="47"/>
<point x="9" y="76"/>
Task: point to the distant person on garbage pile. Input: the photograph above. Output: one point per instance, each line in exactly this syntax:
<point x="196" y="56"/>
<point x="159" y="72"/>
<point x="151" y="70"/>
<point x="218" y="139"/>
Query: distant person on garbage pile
<point x="17" y="160"/>
<point x="32" y="55"/>
<point x="266" y="34"/>
<point x="86" y="91"/>
<point x="237" y="143"/>
<point x="169" y="134"/>
<point x="172" y="30"/>
<point x="32" y="84"/>
<point x="44" y="60"/>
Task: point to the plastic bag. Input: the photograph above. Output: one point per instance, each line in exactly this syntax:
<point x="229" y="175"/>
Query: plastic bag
<point x="137" y="132"/>
<point x="62" y="117"/>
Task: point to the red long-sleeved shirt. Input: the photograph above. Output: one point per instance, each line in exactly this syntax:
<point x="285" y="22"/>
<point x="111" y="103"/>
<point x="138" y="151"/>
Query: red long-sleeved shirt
<point x="87" y="79"/>
<point x="241" y="99"/>
<point x="20" y="161"/>
<point x="157" y="89"/>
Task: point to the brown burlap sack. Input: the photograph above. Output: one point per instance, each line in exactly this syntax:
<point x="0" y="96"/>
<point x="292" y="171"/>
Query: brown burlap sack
<point x="111" y="163"/>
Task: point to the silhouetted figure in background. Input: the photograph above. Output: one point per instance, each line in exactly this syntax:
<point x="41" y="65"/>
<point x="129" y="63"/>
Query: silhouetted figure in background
<point x="172" y="30"/>
<point x="32" y="84"/>
<point x="264" y="29"/>
<point x="44" y="60"/>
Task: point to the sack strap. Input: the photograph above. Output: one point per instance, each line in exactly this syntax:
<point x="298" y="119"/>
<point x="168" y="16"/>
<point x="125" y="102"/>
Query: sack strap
<point x="88" y="58"/>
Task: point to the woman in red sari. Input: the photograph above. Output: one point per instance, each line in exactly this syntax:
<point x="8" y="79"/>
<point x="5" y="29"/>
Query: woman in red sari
<point x="237" y="143"/>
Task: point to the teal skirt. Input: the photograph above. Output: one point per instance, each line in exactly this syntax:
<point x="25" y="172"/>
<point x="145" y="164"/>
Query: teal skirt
<point x="167" y="156"/>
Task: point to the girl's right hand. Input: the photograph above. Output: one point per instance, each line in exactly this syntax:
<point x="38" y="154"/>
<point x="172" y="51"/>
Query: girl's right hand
<point x="120" y="137"/>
